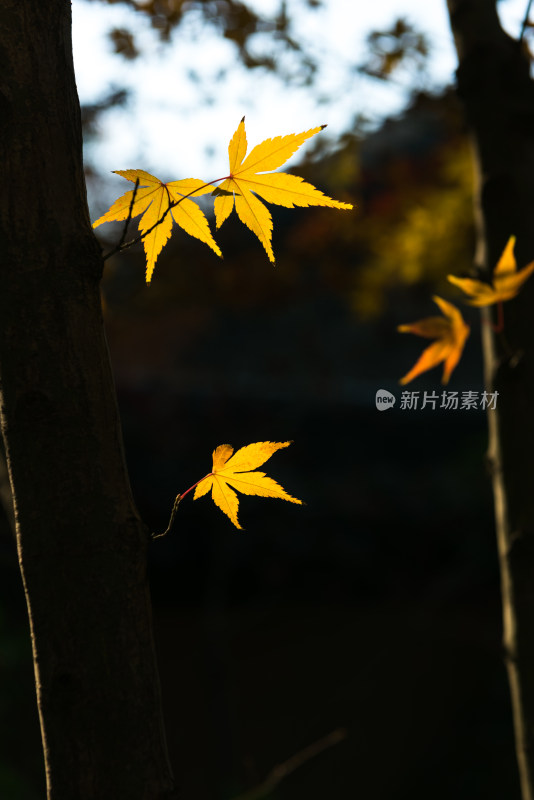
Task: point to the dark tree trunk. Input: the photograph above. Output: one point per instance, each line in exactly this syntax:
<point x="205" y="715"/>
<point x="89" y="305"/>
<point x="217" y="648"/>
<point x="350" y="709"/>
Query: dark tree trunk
<point x="82" y="547"/>
<point x="498" y="96"/>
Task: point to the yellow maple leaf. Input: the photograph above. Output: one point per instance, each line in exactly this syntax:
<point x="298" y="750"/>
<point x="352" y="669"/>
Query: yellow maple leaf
<point x="152" y="200"/>
<point x="450" y="332"/>
<point x="507" y="281"/>
<point x="245" y="182"/>
<point x="236" y="471"/>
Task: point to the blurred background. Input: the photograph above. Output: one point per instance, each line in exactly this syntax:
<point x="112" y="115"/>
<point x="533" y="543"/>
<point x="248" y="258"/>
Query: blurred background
<point x="373" y="610"/>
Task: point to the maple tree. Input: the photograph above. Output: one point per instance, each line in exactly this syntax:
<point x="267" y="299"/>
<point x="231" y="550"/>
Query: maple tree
<point x="84" y="563"/>
<point x="160" y="203"/>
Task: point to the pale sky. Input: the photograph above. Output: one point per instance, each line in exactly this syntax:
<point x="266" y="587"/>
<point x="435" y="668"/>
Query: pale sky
<point x="168" y="129"/>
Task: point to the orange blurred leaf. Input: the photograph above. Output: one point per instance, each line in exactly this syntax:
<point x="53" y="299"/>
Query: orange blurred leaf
<point x="507" y="281"/>
<point x="450" y="332"/>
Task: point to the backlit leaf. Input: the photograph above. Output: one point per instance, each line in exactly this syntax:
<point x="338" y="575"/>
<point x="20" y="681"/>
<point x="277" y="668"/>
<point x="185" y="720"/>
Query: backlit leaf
<point x="153" y="200"/>
<point x="244" y="183"/>
<point x="236" y="471"/>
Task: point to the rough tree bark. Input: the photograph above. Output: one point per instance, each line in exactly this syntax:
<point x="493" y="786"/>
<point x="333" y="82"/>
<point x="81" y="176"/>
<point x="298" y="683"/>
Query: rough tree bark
<point x="82" y="547"/>
<point x="498" y="95"/>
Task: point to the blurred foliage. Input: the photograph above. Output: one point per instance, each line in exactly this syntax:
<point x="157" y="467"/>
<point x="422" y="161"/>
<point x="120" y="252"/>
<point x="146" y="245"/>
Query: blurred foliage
<point x="412" y="181"/>
<point x="237" y="22"/>
<point x="269" y="42"/>
<point x="399" y="46"/>
<point x="91" y="111"/>
<point x="426" y="235"/>
<point x="124" y="43"/>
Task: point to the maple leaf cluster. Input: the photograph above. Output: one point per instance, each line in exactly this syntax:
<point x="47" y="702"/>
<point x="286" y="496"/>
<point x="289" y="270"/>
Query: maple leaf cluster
<point x="162" y="203"/>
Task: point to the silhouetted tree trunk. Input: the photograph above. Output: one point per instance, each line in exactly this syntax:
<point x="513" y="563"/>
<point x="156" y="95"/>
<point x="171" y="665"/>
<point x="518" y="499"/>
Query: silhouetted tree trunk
<point x="82" y="547"/>
<point x="498" y="95"/>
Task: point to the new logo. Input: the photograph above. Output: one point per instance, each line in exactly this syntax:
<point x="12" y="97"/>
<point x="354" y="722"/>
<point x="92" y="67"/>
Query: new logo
<point x="384" y="400"/>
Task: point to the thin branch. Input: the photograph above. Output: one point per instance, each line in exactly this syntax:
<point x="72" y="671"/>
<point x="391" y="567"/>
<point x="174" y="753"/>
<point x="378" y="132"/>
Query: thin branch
<point x="178" y="499"/>
<point x="171" y="521"/>
<point x="129" y="217"/>
<point x="281" y="771"/>
<point x="524" y="26"/>
<point x="120" y="247"/>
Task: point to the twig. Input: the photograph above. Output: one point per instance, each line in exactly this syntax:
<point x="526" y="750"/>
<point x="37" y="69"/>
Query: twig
<point x="524" y="26"/>
<point x="171" y="521"/>
<point x="178" y="499"/>
<point x="120" y="247"/>
<point x="281" y="771"/>
<point x="129" y="217"/>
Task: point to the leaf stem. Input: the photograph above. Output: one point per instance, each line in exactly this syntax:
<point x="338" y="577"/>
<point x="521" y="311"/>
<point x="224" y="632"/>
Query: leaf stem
<point x="124" y="246"/>
<point x="196" y="484"/>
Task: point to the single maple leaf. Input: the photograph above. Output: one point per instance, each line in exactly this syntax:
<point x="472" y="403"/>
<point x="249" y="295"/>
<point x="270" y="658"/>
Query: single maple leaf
<point x="152" y="200"/>
<point x="451" y="333"/>
<point x="235" y="471"/>
<point x="245" y="182"/>
<point x="507" y="281"/>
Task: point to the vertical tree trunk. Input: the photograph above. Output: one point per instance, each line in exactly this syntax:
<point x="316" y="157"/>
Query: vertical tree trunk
<point x="82" y="547"/>
<point x="498" y="95"/>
